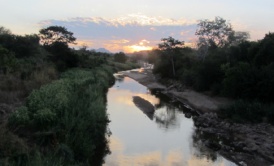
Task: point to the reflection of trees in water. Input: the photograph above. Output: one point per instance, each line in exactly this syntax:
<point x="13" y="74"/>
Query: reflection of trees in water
<point x="200" y="150"/>
<point x="166" y="116"/>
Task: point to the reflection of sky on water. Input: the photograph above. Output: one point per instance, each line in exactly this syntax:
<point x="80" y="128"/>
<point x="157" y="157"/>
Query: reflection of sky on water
<point x="136" y="140"/>
<point x="126" y="84"/>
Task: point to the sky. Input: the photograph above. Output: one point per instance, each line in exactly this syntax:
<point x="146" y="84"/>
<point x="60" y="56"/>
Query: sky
<point x="134" y="25"/>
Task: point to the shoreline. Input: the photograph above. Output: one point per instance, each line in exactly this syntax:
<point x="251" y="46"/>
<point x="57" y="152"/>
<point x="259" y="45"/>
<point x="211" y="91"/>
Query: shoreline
<point x="197" y="101"/>
<point x="245" y="144"/>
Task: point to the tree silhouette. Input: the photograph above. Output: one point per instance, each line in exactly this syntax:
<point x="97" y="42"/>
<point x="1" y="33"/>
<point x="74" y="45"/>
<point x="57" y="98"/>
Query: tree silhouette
<point x="170" y="46"/>
<point x="58" y="34"/>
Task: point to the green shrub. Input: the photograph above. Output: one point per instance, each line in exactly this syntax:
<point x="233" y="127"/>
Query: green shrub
<point x="20" y="117"/>
<point x="70" y="111"/>
<point x="54" y="96"/>
<point x="242" y="111"/>
<point x="44" y="118"/>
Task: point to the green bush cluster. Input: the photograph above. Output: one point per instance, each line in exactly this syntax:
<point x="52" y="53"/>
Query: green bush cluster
<point x="69" y="112"/>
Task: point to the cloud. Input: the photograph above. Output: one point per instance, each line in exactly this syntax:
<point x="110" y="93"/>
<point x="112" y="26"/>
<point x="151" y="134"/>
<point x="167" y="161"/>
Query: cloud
<point x="129" y="33"/>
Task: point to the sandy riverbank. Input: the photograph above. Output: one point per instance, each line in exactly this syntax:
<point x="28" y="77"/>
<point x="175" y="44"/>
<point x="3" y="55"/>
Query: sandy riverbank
<point x="198" y="101"/>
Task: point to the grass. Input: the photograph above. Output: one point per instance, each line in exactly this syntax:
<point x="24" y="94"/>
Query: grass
<point x="123" y="66"/>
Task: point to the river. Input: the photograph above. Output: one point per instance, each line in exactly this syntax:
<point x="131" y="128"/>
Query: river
<point x="167" y="138"/>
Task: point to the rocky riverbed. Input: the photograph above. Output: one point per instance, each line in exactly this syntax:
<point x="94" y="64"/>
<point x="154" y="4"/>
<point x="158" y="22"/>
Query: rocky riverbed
<point x="245" y="144"/>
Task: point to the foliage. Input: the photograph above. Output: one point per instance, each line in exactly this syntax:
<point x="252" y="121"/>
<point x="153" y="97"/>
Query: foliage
<point x="70" y="111"/>
<point x="122" y="66"/>
<point x="215" y="33"/>
<point x="240" y="81"/>
<point x="20" y="117"/>
<point x="57" y="34"/>
<point x="249" y="111"/>
<point x="62" y="56"/>
<point x="120" y="57"/>
<point x="91" y="59"/>
<point x="11" y="146"/>
<point x="265" y="51"/>
<point x="169" y="48"/>
<point x="209" y="73"/>
<point x="8" y="61"/>
<point x="21" y="46"/>
<point x="4" y="30"/>
<point x="169" y="44"/>
<point x="225" y="64"/>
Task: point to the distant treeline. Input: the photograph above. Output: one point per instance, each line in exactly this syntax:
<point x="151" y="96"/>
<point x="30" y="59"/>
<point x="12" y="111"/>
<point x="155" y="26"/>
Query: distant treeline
<point x="224" y="63"/>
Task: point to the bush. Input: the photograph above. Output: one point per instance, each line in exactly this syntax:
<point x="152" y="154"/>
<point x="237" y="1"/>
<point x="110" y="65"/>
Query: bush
<point x="241" y="81"/>
<point x="250" y="111"/>
<point x="120" y="57"/>
<point x="44" y="117"/>
<point x="20" y="117"/>
<point x="70" y="111"/>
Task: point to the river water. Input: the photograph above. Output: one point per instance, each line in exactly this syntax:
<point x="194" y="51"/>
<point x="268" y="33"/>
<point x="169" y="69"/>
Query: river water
<point x="167" y="138"/>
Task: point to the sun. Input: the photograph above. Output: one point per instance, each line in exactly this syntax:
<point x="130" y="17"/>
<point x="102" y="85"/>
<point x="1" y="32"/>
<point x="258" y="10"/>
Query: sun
<point x="136" y="48"/>
<point x="143" y="45"/>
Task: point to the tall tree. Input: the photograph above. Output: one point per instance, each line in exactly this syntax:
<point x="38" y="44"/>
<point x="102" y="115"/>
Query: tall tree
<point x="170" y="46"/>
<point x="214" y="32"/>
<point x="54" y="34"/>
<point x="4" y="30"/>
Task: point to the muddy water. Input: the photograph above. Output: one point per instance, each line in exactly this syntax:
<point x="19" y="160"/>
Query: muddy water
<point x="167" y="138"/>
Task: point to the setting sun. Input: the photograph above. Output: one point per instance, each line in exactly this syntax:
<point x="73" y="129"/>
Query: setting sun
<point x="141" y="46"/>
<point x="136" y="48"/>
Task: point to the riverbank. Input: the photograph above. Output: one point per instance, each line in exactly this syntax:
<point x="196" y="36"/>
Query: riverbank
<point x="197" y="101"/>
<point x="245" y="144"/>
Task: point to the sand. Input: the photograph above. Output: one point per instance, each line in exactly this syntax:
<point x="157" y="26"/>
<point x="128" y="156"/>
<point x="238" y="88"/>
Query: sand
<point x="198" y="101"/>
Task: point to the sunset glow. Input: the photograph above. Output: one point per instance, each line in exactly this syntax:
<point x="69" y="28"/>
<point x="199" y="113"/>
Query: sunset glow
<point x="127" y="25"/>
<point x="136" y="48"/>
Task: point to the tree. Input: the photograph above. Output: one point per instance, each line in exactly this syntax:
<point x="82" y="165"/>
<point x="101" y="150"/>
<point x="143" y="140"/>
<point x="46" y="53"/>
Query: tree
<point x="170" y="46"/>
<point x="54" y="34"/>
<point x="239" y="37"/>
<point x="55" y="40"/>
<point x="214" y="33"/>
<point x="4" y="31"/>
<point x="265" y="53"/>
<point x="120" y="57"/>
<point x="7" y="60"/>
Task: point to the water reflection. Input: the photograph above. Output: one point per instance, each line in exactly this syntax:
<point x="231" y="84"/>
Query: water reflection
<point x="145" y="106"/>
<point x="167" y="118"/>
<point x="168" y="139"/>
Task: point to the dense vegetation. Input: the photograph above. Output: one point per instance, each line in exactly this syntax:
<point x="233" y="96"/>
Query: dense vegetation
<point x="53" y="99"/>
<point x="225" y="63"/>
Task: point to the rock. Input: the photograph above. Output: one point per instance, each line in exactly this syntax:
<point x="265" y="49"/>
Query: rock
<point x="212" y="145"/>
<point x="188" y="115"/>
